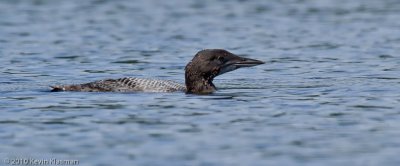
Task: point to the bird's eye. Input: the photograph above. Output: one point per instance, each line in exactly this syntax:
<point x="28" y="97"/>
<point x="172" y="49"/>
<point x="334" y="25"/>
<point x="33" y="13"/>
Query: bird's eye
<point x="220" y="58"/>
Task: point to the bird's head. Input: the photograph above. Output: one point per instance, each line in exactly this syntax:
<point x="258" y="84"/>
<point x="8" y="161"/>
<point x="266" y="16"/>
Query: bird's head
<point x="209" y="63"/>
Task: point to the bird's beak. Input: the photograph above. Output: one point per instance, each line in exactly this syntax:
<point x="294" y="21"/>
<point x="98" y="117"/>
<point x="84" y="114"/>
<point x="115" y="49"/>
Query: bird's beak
<point x="239" y="62"/>
<point x="246" y="62"/>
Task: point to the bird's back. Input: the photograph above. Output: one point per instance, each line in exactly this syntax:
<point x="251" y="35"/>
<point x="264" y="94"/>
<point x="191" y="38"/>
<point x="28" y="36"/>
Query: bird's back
<point x="127" y="84"/>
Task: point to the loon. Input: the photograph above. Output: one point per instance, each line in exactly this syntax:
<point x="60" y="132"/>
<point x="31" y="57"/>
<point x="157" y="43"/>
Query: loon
<point x="199" y="74"/>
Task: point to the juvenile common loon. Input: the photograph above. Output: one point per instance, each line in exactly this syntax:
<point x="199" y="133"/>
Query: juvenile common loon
<point x="199" y="74"/>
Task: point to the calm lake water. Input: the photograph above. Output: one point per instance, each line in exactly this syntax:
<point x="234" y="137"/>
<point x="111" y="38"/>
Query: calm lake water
<point x="329" y="93"/>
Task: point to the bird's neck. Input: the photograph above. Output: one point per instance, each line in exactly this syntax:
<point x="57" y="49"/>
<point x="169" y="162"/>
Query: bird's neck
<point x="199" y="84"/>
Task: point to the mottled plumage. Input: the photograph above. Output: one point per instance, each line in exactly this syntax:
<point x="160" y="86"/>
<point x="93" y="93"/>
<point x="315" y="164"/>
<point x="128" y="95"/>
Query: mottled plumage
<point x="127" y="84"/>
<point x="199" y="74"/>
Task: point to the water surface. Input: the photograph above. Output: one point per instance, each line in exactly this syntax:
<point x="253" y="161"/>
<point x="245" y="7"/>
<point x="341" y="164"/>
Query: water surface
<point x="328" y="94"/>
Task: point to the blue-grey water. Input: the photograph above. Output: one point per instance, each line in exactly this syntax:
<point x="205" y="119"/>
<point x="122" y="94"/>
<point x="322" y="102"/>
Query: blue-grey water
<point x="329" y="93"/>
